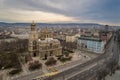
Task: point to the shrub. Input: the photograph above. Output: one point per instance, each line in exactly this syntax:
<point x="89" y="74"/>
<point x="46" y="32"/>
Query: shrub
<point x="70" y="51"/>
<point x="50" y="61"/>
<point x="9" y="60"/>
<point x="15" y="71"/>
<point x="59" y="57"/>
<point x="67" y="52"/>
<point x="0" y="67"/>
<point x="63" y="59"/>
<point x="35" y="65"/>
<point x="8" y="66"/>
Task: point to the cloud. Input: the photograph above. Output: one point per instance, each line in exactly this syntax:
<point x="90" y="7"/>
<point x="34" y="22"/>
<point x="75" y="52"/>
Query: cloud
<point x="72" y="10"/>
<point x="28" y="16"/>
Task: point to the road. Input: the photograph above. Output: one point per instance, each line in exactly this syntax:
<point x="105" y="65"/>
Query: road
<point x="84" y="75"/>
<point x="113" y="52"/>
<point x="66" y="75"/>
<point x="115" y="76"/>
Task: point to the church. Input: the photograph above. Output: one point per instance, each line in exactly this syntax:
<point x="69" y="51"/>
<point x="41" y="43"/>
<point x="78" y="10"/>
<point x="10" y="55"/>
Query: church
<point x="43" y="44"/>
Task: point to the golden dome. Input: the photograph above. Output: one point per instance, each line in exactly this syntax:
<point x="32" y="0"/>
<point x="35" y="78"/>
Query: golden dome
<point x="46" y="31"/>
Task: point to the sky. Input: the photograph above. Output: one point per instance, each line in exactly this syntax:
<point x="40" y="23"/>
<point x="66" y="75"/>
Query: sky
<point x="61" y="11"/>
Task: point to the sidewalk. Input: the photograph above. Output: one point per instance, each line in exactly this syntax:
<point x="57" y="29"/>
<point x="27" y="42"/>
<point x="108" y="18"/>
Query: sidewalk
<point x="1" y="76"/>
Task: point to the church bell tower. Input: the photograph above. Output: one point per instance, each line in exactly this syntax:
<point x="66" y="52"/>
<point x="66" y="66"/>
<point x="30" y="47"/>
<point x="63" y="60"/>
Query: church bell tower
<point x="33" y="37"/>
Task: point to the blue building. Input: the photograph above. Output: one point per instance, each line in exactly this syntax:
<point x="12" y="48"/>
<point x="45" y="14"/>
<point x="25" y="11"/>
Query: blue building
<point x="93" y="44"/>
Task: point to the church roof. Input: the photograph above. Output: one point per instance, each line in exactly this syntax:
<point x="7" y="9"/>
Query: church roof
<point x="48" y="40"/>
<point x="46" y="31"/>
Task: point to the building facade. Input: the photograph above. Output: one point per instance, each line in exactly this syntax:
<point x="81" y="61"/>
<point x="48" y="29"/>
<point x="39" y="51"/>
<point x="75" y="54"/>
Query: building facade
<point x="91" y="44"/>
<point x="72" y="38"/>
<point x="41" y="44"/>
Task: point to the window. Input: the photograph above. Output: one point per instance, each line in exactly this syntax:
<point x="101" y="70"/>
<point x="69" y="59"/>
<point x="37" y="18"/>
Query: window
<point x="34" y="42"/>
<point x="34" y="47"/>
<point x="50" y="44"/>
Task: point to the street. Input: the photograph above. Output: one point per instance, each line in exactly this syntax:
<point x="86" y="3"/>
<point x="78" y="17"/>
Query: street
<point x="66" y="75"/>
<point x="93" y="71"/>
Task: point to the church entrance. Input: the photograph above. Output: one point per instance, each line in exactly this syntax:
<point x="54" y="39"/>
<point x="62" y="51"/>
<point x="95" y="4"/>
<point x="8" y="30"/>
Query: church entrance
<point x="51" y="53"/>
<point x="34" y="54"/>
<point x="46" y="56"/>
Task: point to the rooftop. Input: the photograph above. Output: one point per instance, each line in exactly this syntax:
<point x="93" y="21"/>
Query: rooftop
<point x="48" y="40"/>
<point x="92" y="38"/>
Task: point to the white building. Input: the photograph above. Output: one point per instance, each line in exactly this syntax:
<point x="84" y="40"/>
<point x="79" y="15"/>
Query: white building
<point x="91" y="44"/>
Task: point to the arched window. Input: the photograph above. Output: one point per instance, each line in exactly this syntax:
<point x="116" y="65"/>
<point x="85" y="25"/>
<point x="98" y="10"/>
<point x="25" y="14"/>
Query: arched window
<point x="51" y="53"/>
<point x="34" y="45"/>
<point x="50" y="45"/>
<point x="34" y="54"/>
<point x="34" y="42"/>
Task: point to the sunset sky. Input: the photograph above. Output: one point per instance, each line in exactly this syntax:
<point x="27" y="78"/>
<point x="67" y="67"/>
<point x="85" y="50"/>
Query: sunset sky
<point x="61" y="11"/>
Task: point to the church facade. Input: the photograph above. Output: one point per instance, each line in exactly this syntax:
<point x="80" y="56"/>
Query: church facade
<point x="43" y="44"/>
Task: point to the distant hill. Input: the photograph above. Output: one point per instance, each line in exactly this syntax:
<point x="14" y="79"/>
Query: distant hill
<point x="3" y="24"/>
<point x="72" y="25"/>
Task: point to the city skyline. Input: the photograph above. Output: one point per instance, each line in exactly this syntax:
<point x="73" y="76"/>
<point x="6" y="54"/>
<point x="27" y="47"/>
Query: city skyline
<point x="58" y="11"/>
